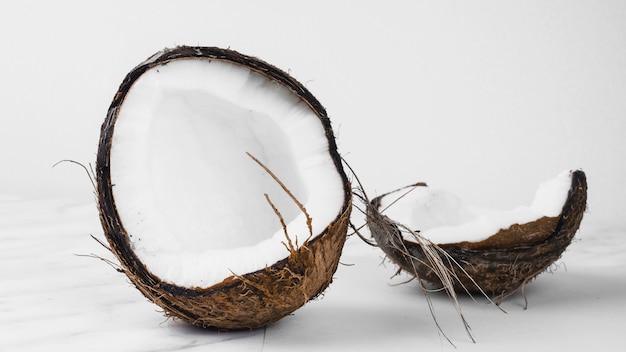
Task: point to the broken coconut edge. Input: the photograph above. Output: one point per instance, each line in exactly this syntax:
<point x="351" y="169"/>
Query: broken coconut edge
<point x="487" y="267"/>
<point x="249" y="300"/>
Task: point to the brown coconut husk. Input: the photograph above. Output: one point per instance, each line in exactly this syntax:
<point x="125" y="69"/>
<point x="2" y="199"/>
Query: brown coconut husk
<point x="243" y="300"/>
<point x="498" y="266"/>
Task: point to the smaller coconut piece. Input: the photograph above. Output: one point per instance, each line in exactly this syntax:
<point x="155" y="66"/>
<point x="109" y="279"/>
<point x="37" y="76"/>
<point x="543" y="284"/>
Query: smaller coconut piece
<point x="484" y="251"/>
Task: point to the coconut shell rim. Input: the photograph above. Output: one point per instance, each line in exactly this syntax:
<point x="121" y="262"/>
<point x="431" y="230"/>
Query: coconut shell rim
<point x="114" y="230"/>
<point x="497" y="272"/>
<point x="578" y="177"/>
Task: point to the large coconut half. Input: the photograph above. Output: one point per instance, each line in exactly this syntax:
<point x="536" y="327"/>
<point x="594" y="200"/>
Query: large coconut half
<point x="220" y="188"/>
<point x="491" y="251"/>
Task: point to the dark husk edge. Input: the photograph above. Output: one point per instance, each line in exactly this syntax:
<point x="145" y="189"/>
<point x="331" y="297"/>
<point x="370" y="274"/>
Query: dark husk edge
<point x="244" y="300"/>
<point x="495" y="267"/>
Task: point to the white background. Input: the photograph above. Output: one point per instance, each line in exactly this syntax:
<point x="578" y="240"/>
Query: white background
<point x="484" y="98"/>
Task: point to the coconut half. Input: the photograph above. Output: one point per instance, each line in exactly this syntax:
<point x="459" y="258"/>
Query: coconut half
<point x="220" y="187"/>
<point x="486" y="251"/>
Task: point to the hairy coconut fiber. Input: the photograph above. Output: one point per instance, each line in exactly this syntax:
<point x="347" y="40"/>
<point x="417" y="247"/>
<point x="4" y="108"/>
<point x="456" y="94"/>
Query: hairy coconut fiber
<point x="497" y="266"/>
<point x="243" y="300"/>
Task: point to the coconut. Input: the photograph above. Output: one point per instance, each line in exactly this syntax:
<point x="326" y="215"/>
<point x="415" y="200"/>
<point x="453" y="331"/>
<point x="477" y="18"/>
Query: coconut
<point x="220" y="188"/>
<point x="485" y="251"/>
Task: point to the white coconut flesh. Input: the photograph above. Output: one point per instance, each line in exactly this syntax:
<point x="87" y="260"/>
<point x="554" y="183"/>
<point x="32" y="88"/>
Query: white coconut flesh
<point x="443" y="217"/>
<point x="190" y="198"/>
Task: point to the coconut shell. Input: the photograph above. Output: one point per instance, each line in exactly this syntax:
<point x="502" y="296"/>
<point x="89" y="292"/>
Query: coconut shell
<point x="243" y="300"/>
<point x="497" y="266"/>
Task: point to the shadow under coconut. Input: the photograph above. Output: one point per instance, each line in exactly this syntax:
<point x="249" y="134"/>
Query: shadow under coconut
<point x="557" y="288"/>
<point x="183" y="328"/>
<point x="352" y="324"/>
<point x="565" y="289"/>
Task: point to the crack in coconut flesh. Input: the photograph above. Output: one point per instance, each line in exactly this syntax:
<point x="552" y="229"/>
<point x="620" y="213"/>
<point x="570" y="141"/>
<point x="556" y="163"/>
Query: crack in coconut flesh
<point x="210" y="167"/>
<point x="495" y="252"/>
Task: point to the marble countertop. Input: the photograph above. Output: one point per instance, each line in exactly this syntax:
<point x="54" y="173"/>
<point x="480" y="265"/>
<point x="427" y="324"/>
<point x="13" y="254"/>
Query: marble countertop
<point x="57" y="292"/>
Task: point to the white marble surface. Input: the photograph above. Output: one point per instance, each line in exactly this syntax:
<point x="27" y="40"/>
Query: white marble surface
<point x="54" y="296"/>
